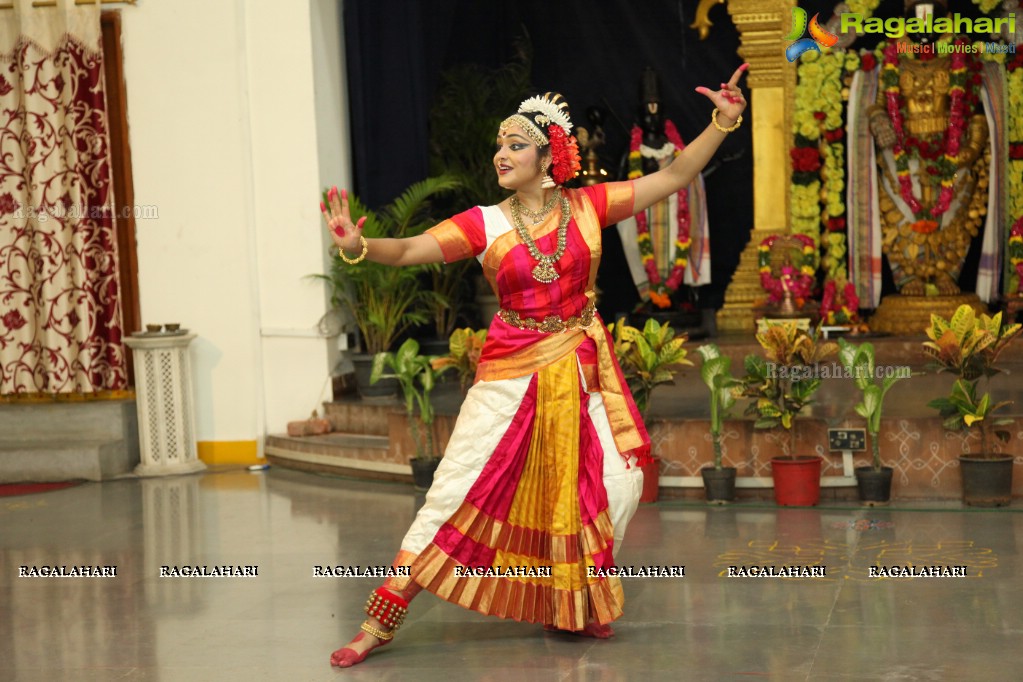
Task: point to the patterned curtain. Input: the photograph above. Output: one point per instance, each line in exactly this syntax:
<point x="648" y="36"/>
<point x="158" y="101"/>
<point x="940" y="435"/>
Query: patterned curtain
<point x="60" y="320"/>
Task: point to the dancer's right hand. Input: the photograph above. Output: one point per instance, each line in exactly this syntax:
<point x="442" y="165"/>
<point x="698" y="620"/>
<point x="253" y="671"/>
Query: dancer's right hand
<point x="345" y="233"/>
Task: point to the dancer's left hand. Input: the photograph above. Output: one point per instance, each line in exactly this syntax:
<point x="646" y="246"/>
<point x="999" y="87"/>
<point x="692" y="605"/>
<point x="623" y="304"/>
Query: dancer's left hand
<point x="729" y="100"/>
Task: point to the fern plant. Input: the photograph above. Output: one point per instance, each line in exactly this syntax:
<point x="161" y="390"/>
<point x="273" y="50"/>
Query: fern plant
<point x="386" y="301"/>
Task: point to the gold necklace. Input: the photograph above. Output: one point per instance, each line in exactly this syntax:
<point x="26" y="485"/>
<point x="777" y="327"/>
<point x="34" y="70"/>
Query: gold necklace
<point x="536" y="216"/>
<point x="544" y="271"/>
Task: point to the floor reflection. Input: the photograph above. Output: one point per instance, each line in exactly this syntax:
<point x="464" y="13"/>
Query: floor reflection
<point x="283" y="623"/>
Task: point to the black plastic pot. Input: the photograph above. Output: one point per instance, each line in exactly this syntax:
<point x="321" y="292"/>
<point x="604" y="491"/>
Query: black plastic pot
<point x="719" y="484"/>
<point x="422" y="472"/>
<point x="875" y="487"/>
<point x="385" y="389"/>
<point x="987" y="480"/>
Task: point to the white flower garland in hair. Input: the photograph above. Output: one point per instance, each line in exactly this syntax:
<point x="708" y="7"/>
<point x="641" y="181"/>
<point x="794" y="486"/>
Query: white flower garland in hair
<point x="550" y="110"/>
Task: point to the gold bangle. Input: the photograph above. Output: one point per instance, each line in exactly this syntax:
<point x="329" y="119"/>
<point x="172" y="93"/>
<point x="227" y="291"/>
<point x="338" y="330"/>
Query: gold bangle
<point x="354" y="261"/>
<point x="714" y="120"/>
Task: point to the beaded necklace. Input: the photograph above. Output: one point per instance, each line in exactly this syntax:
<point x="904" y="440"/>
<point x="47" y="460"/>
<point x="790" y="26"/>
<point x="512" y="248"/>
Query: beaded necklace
<point x="544" y="271"/>
<point x="538" y="216"/>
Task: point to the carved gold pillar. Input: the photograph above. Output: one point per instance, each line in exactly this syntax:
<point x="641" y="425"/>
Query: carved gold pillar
<point x="762" y="24"/>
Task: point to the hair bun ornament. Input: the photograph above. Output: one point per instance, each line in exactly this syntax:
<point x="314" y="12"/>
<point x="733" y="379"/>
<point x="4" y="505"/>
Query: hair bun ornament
<point x="547" y="109"/>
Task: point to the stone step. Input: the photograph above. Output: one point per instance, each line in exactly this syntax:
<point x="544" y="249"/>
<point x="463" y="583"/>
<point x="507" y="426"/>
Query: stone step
<point x="96" y="420"/>
<point x="64" y="459"/>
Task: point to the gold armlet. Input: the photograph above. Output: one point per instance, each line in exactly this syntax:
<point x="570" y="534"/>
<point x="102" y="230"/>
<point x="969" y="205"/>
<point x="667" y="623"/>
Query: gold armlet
<point x="714" y="120"/>
<point x="359" y="259"/>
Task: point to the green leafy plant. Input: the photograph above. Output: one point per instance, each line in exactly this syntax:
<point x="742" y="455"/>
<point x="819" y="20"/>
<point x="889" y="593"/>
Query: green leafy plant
<point x="859" y="362"/>
<point x="417" y="378"/>
<point x="968" y="346"/>
<point x="782" y="384"/>
<point x="386" y="301"/>
<point x="465" y="347"/>
<point x="716" y="372"/>
<point x="648" y="358"/>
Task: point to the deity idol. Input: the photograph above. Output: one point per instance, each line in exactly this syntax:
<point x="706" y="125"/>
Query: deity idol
<point x="933" y="161"/>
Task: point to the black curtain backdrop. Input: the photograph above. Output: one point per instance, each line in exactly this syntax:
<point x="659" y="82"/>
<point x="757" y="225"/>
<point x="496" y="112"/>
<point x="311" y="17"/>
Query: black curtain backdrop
<point x="592" y="52"/>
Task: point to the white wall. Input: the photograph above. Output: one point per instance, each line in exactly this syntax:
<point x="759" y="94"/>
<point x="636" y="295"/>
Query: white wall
<point x="223" y="112"/>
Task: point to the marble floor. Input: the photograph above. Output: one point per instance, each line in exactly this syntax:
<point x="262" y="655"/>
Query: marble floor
<point x="282" y="623"/>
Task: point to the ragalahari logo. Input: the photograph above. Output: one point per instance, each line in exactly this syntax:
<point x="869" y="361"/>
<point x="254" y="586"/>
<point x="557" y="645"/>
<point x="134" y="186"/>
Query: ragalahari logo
<point x="819" y="36"/>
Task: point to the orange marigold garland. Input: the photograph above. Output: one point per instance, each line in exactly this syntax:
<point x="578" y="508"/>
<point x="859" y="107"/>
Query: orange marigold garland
<point x="661" y="290"/>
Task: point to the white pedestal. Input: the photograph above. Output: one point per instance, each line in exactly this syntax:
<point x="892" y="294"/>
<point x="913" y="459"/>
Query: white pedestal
<point x="163" y="386"/>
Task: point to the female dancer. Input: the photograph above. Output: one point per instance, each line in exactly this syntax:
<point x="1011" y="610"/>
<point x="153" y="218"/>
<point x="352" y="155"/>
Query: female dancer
<point x="540" y="476"/>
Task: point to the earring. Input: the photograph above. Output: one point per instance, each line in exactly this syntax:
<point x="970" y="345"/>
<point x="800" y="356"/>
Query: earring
<point x="547" y="182"/>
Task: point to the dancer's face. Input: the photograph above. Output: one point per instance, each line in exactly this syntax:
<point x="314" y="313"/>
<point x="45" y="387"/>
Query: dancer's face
<point x="517" y="159"/>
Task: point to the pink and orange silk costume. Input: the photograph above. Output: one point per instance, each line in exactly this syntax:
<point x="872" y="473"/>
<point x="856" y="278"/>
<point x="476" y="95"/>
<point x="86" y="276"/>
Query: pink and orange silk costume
<point x="540" y="471"/>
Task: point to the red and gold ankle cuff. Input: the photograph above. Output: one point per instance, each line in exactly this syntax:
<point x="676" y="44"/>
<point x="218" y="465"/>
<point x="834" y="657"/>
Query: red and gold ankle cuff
<point x="388" y="608"/>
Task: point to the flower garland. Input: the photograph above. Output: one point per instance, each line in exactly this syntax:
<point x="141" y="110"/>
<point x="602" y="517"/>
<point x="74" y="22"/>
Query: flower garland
<point x="961" y="97"/>
<point x="799" y="282"/>
<point x="1016" y="255"/>
<point x="565" y="159"/>
<point x="835" y="311"/>
<point x="661" y="290"/>
<point x="1014" y="77"/>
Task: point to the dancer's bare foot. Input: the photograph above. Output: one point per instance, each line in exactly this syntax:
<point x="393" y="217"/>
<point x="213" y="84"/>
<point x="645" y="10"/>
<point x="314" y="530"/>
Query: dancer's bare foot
<point x="356" y="650"/>
<point x="595" y="630"/>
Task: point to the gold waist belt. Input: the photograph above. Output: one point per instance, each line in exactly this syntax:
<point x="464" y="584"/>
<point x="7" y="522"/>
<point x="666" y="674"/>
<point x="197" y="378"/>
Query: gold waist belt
<point x="552" y="324"/>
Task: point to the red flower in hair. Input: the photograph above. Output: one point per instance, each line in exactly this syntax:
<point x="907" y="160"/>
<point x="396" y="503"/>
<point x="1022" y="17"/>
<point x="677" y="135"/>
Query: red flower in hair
<point x="565" y="160"/>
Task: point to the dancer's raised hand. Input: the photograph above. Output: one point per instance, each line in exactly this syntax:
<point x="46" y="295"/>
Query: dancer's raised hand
<point x="729" y="100"/>
<point x="346" y="234"/>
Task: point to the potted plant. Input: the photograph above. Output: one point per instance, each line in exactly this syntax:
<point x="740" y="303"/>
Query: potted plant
<point x="385" y="301"/>
<point x="648" y="359"/>
<point x="779" y="387"/>
<point x="968" y="346"/>
<point x="464" y="348"/>
<point x="716" y="372"/>
<point x="417" y="378"/>
<point x="874" y="483"/>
